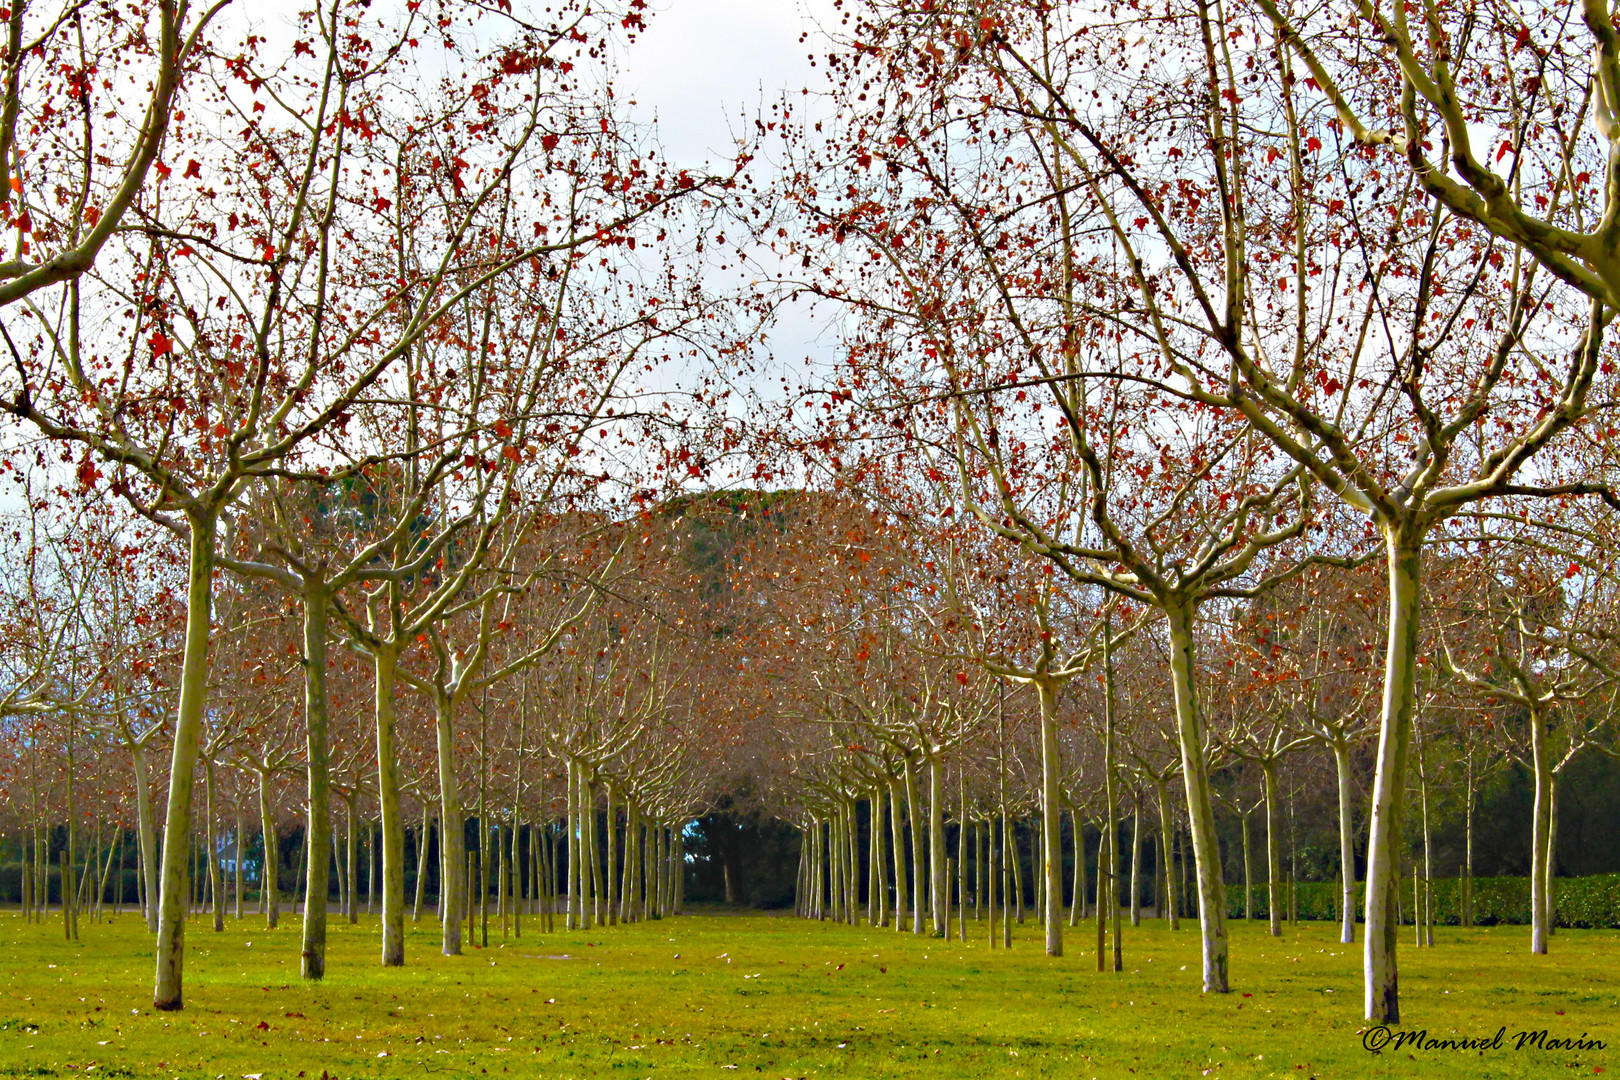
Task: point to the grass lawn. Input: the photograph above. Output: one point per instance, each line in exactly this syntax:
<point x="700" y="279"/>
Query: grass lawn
<point x="719" y="995"/>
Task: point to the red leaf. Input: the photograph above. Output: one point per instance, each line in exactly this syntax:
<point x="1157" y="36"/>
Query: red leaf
<point x="1313" y="144"/>
<point x="193" y="169"/>
<point x="161" y="346"/>
<point x="548" y="142"/>
<point x="1504" y="150"/>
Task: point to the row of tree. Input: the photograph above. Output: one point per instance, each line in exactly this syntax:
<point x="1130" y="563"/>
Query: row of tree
<point x="1148" y="352"/>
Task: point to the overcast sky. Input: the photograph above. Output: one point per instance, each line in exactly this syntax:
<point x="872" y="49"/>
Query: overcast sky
<point x="703" y="63"/>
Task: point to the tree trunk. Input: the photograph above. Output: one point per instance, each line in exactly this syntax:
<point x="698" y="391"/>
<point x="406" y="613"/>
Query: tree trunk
<point x="1551" y="869"/>
<point x="1200" y="814"/>
<point x="452" y="829"/>
<point x="351" y="869"/>
<point x="993" y="874"/>
<point x="1347" y="844"/>
<point x="1111" y="795"/>
<point x="1468" y="843"/>
<point x="318" y="833"/>
<point x="1274" y="899"/>
<point x="167" y="989"/>
<point x="236" y="896"/>
<point x="918" y="856"/>
<point x="1016" y="858"/>
<point x="1136" y="863"/>
<point x="1248" y="869"/>
<point x="1540" y="829"/>
<point x="939" y="887"/>
<point x="880" y="862"/>
<point x="147" y="830"/>
<point x="384" y="661"/>
<point x="212" y="842"/>
<point x="1078" y="885"/>
<point x="301" y="876"/>
<point x="897" y="832"/>
<point x="613" y="878"/>
<point x="1166" y="871"/>
<point x="1051" y="819"/>
<point x="962" y="828"/>
<point x="593" y="881"/>
<point x="423" y="845"/>
<point x="1403" y="548"/>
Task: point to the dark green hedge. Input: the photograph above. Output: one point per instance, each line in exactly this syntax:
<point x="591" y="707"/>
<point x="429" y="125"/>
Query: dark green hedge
<point x="1577" y="901"/>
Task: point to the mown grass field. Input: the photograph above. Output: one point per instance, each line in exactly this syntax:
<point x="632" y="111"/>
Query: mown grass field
<point x="721" y="995"/>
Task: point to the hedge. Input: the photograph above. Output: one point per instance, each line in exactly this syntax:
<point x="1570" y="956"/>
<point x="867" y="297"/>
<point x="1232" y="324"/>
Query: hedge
<point x="1577" y="901"/>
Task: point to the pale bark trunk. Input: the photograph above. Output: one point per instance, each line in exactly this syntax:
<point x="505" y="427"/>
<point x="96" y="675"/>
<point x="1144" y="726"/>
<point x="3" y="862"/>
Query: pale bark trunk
<point x="1248" y="870"/>
<point x="835" y="860"/>
<point x="352" y="864"/>
<point x="1382" y="993"/>
<point x="613" y="878"/>
<point x="1468" y="844"/>
<point x="1539" y="830"/>
<point x="981" y="866"/>
<point x="1111" y="795"/>
<point x="896" y="831"/>
<point x="423" y="844"/>
<point x="1016" y="861"/>
<point x="594" y="881"/>
<point x="1051" y="819"/>
<point x="1167" y="904"/>
<point x="148" y="838"/>
<point x="384" y="664"/>
<point x="236" y="898"/>
<point x="962" y="829"/>
<point x="301" y="875"/>
<point x="993" y="875"/>
<point x="571" y="920"/>
<point x="167" y="990"/>
<point x="212" y="842"/>
<point x="1082" y="877"/>
<point x="1428" y="870"/>
<point x="452" y="829"/>
<point x="1200" y="813"/>
<point x="1104" y="878"/>
<point x="1136" y="864"/>
<point x="1268" y="770"/>
<point x="918" y="856"/>
<point x="638" y="893"/>
<point x="1550" y="899"/>
<point x="1347" y="844"/>
<point x="939" y="887"/>
<point x="318" y="832"/>
<point x="880" y="868"/>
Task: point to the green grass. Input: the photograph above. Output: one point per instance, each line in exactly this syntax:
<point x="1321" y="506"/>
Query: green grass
<point x="719" y="995"/>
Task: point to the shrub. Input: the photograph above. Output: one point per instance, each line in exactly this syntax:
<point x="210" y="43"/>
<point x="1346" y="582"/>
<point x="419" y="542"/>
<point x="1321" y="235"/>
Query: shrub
<point x="1577" y="901"/>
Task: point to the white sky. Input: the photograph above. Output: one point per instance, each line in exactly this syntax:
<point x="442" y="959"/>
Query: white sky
<point x="703" y="63"/>
<point x="704" y="69"/>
